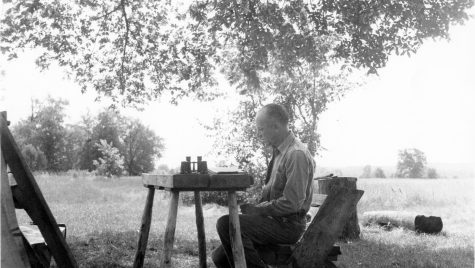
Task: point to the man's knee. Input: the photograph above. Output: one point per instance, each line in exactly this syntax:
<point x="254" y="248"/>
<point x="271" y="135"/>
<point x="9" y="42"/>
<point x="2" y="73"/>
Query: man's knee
<point x="219" y="257"/>
<point x="222" y="225"/>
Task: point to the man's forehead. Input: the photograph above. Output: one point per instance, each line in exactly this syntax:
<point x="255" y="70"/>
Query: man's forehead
<point x="261" y="116"/>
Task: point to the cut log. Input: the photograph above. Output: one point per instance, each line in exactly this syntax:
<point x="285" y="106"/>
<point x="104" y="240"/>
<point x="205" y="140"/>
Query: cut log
<point x="317" y="241"/>
<point x="405" y="219"/>
<point x="327" y="186"/>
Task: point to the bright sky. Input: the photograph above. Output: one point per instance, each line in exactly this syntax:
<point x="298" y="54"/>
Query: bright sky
<point x="426" y="101"/>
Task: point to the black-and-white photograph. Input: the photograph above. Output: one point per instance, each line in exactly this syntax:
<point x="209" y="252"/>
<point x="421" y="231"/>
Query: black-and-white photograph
<point x="237" y="133"/>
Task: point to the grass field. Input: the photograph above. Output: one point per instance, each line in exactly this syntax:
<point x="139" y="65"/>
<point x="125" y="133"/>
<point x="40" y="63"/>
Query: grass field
<point x="103" y="218"/>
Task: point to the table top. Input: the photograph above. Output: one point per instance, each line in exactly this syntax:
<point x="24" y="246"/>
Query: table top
<point x="203" y="182"/>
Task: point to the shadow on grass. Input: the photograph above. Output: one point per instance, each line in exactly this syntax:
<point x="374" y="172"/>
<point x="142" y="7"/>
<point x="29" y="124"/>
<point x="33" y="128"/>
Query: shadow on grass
<point x="117" y="249"/>
<point x="376" y="248"/>
<point x="402" y="248"/>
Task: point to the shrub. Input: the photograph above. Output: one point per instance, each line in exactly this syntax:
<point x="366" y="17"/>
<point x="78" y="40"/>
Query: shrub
<point x="379" y="173"/>
<point x="251" y="195"/>
<point x="432" y="173"/>
<point x="34" y="157"/>
<point x="111" y="162"/>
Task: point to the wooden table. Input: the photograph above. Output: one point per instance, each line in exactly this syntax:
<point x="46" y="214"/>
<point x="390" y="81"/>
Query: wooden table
<point x="196" y="183"/>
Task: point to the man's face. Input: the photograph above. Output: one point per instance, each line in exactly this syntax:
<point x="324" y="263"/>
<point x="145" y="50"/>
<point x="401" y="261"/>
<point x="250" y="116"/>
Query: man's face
<point x="265" y="128"/>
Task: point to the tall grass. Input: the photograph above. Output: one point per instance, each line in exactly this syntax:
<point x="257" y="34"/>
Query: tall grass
<point x="103" y="217"/>
<point x="451" y="199"/>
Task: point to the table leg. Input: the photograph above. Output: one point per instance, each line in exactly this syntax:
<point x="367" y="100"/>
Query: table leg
<point x="235" y="232"/>
<point x="170" y="230"/>
<point x="201" y="230"/>
<point x="144" y="229"/>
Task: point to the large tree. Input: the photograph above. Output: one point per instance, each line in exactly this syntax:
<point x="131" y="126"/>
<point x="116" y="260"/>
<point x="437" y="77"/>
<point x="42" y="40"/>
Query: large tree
<point x="305" y="94"/>
<point x="411" y="164"/>
<point x="75" y="144"/>
<point x="45" y="131"/>
<point x="141" y="147"/>
<point x="132" y="51"/>
<point x="136" y="143"/>
<point x="85" y="155"/>
<point x="109" y="125"/>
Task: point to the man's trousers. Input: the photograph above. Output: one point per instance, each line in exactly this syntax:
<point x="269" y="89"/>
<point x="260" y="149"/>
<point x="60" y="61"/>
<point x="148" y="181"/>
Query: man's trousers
<point x="255" y="230"/>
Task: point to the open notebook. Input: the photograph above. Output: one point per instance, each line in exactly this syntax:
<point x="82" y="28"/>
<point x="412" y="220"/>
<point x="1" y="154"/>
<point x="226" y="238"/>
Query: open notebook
<point x="225" y="170"/>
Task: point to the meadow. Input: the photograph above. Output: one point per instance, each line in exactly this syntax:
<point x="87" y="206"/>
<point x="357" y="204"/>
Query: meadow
<point x="103" y="217"/>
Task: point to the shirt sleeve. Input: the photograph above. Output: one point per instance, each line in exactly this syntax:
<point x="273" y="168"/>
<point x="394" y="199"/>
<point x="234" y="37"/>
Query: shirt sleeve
<point x="297" y="173"/>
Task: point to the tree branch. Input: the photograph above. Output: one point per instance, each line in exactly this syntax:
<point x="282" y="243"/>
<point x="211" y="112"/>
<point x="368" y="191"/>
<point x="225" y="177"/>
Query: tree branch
<point x="107" y="13"/>
<point x="126" y="41"/>
<point x="302" y="115"/>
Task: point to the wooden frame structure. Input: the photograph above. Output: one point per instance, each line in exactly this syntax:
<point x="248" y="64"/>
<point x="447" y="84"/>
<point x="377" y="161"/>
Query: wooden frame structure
<point x="28" y="194"/>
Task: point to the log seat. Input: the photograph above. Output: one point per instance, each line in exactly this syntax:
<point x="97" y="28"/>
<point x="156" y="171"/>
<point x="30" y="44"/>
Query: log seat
<point x="316" y="247"/>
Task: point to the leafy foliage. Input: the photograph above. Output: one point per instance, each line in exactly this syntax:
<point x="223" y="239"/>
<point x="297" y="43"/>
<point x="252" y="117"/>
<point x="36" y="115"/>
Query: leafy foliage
<point x="130" y="51"/>
<point x="34" y="157"/>
<point x="432" y="173"/>
<point x="49" y="144"/>
<point x="141" y="147"/>
<point x="133" y="51"/>
<point x="111" y="162"/>
<point x="379" y="173"/>
<point x="109" y="126"/>
<point x="366" y="172"/>
<point x="411" y="164"/>
<point x="44" y="130"/>
<point x="261" y="33"/>
<point x="87" y="152"/>
<point x="305" y="95"/>
<point x="75" y="144"/>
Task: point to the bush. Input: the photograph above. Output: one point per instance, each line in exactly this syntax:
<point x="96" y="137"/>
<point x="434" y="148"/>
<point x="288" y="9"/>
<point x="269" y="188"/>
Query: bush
<point x="34" y="157"/>
<point x="379" y="173"/>
<point x="111" y="162"/>
<point x="251" y="195"/>
<point x="432" y="173"/>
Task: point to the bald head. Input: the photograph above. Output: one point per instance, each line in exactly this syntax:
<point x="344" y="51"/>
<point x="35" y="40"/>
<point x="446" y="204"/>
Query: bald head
<point x="276" y="112"/>
<point x="272" y="124"/>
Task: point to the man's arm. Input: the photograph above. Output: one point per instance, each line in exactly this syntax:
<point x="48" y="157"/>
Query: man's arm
<point x="298" y="170"/>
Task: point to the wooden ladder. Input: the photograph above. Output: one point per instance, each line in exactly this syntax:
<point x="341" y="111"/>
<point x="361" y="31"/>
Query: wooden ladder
<point x="28" y="195"/>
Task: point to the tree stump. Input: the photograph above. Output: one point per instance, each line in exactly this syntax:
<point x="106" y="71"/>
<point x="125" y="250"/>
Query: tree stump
<point x="331" y="185"/>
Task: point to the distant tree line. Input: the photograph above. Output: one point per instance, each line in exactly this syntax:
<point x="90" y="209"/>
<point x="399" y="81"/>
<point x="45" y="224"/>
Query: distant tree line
<point x="108" y="143"/>
<point x="369" y="173"/>
<point x="412" y="163"/>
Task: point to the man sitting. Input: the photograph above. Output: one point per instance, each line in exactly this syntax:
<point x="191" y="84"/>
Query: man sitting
<point x="279" y="217"/>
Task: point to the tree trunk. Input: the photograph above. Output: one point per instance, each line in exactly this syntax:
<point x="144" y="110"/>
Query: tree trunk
<point x="351" y="230"/>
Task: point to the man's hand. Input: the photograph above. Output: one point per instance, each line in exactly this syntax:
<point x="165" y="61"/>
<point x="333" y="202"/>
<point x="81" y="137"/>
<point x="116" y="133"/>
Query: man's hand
<point x="249" y="209"/>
